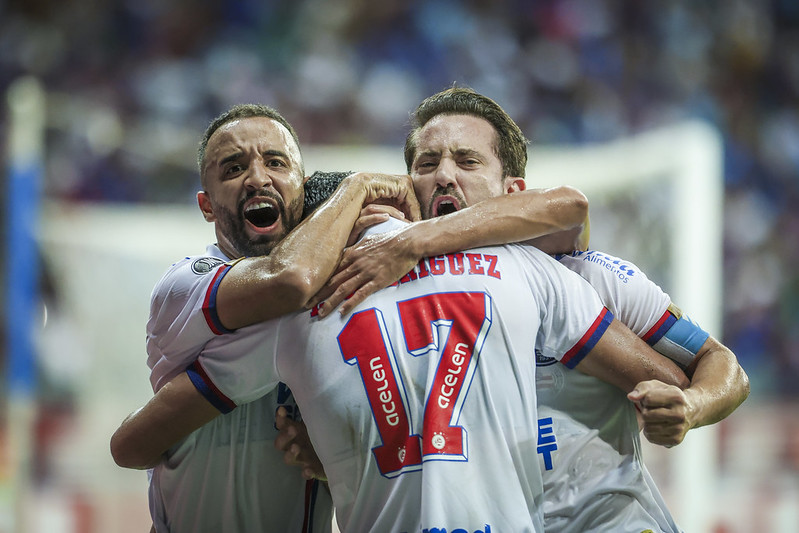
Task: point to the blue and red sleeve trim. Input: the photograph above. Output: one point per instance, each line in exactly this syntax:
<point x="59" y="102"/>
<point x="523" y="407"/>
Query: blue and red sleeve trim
<point x="660" y="328"/>
<point x="209" y="303"/>
<point x="206" y="387"/>
<point x="589" y="340"/>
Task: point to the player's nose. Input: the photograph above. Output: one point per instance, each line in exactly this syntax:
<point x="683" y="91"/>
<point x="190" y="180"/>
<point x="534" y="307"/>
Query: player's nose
<point x="257" y="176"/>
<point x="446" y="173"/>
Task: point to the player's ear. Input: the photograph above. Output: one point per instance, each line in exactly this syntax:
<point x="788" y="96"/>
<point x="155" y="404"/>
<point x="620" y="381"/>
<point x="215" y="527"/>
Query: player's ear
<point x="514" y="185"/>
<point x="205" y="206"/>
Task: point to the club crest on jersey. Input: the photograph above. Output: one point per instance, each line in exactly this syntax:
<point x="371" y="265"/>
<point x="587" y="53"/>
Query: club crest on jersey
<point x="543" y="360"/>
<point x="438" y="441"/>
<point x="204" y="265"/>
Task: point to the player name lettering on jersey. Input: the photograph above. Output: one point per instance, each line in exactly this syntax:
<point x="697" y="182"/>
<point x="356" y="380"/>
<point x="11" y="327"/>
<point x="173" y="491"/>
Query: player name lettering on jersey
<point x="455" y="264"/>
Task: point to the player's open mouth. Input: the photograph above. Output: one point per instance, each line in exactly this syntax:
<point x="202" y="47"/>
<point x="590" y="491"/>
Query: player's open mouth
<point x="262" y="214"/>
<point x="444" y="205"/>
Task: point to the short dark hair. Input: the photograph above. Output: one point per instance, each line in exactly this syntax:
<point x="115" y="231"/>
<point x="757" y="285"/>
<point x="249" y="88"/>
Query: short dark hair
<point x="511" y="144"/>
<point x="319" y="187"/>
<point x="236" y="112"/>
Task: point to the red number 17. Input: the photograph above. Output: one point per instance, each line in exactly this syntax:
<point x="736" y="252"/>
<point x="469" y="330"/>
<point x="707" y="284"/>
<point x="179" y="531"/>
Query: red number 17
<point x="461" y="320"/>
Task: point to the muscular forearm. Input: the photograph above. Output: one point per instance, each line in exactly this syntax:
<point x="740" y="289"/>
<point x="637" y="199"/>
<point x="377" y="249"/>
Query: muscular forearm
<point x="262" y="288"/>
<point x="718" y="384"/>
<point x="170" y="416"/>
<point x="622" y="359"/>
<point x="515" y="217"/>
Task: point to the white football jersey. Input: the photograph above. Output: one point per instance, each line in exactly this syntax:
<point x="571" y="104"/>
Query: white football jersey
<point x="421" y="403"/>
<point x="227" y="476"/>
<point x="589" y="443"/>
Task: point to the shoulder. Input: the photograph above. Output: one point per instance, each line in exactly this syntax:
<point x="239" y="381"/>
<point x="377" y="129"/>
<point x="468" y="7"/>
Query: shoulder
<point x="189" y="273"/>
<point x="595" y="265"/>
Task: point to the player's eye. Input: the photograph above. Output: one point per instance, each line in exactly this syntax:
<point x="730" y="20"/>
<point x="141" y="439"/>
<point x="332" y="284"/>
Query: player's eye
<point x="276" y="162"/>
<point x="233" y="169"/>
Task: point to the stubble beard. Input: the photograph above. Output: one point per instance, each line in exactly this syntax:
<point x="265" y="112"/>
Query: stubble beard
<point x="232" y="225"/>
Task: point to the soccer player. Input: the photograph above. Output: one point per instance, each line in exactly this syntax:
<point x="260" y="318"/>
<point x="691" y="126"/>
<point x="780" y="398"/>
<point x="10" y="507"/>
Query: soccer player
<point x="464" y="149"/>
<point x="421" y="404"/>
<point x="252" y="176"/>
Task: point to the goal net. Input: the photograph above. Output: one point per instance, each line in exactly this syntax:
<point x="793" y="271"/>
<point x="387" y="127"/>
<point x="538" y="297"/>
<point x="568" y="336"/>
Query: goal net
<point x="655" y="200"/>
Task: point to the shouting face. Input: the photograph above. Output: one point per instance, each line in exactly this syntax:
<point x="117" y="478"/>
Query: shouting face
<point x="253" y="181"/>
<point x="456" y="164"/>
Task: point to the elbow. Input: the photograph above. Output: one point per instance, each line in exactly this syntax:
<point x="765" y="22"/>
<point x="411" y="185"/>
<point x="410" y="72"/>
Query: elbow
<point x="296" y="288"/>
<point x="573" y="204"/>
<point x="121" y="454"/>
<point x="127" y="455"/>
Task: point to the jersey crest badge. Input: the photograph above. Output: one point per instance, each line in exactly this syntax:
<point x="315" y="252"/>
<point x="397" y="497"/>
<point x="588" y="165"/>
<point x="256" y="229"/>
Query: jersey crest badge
<point x="204" y="265"/>
<point x="439" y="441"/>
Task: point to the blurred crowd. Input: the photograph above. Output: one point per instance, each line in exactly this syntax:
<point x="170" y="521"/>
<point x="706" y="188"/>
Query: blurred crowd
<point x="133" y="83"/>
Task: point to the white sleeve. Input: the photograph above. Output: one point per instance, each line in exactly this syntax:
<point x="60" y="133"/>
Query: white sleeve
<point x="239" y="367"/>
<point x="183" y="316"/>
<point x="573" y="318"/>
<point x="640" y="304"/>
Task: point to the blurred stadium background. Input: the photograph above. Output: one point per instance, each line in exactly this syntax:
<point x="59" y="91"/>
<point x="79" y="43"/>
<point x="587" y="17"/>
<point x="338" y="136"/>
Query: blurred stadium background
<point x="129" y="86"/>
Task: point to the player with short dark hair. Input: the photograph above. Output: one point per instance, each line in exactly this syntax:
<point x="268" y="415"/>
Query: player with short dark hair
<point x="252" y="177"/>
<point x="458" y="153"/>
<point x="421" y="404"/>
<point x="262" y="266"/>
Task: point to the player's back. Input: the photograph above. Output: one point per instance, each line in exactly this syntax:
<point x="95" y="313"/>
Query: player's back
<point x="421" y="403"/>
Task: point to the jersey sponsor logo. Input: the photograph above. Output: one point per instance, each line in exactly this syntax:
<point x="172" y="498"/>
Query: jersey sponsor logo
<point x="486" y="529"/>
<point x="456" y="264"/>
<point x="204" y="265"/>
<point x="449" y="326"/>
<point x="547" y="443"/>
<point x="543" y="360"/>
<point x="623" y="270"/>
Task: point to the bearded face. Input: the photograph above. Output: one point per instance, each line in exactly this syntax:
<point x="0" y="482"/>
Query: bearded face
<point x="266" y="214"/>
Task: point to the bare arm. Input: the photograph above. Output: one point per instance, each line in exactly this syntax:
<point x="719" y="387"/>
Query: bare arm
<point x="380" y="260"/>
<point x="622" y="359"/>
<point x="172" y="414"/>
<point x="261" y="288"/>
<point x="718" y="386"/>
<point x="566" y="241"/>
